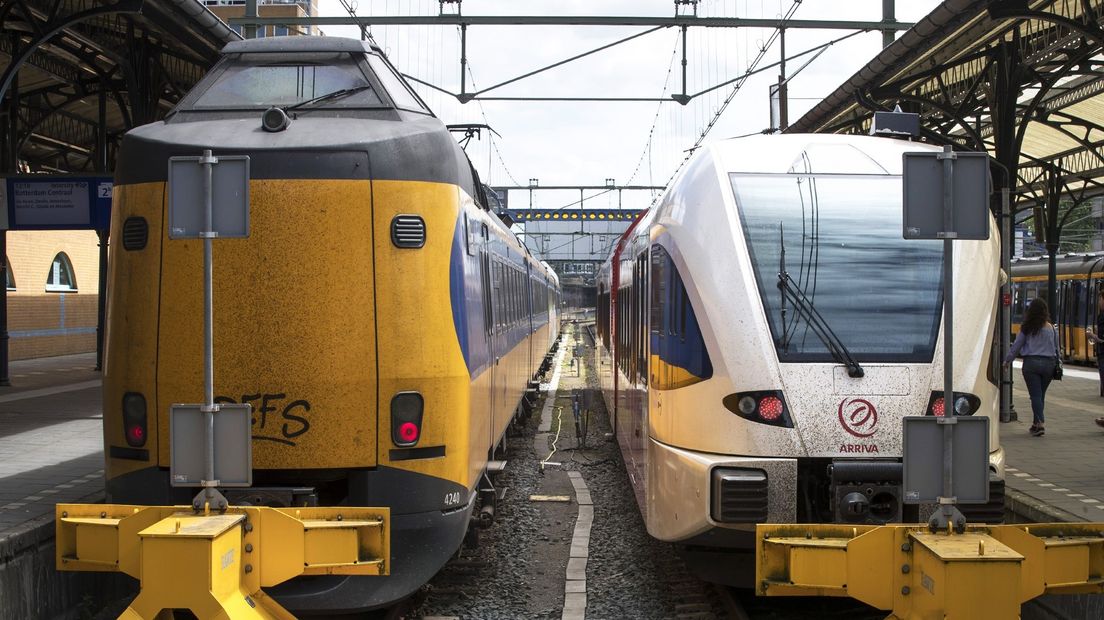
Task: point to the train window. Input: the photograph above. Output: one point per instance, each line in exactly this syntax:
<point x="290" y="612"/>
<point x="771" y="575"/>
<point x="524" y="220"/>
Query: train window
<point x="659" y="284"/>
<point x="61" y="278"/>
<point x="400" y="93"/>
<point x="263" y="80"/>
<point x="865" y="281"/>
<point x="499" y="306"/>
<point x="9" y="275"/>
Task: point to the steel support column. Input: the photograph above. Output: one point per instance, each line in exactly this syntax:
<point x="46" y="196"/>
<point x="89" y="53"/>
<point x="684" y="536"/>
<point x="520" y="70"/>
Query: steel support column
<point x="888" y="17"/>
<point x="1007" y="154"/>
<point x="12" y="167"/>
<point x="101" y="233"/>
<point x="1051" y="232"/>
<point x="249" y="31"/>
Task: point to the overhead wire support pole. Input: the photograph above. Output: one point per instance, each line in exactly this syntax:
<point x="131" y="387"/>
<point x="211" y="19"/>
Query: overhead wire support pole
<point x="783" y="108"/>
<point x="683" y="99"/>
<point x="463" y="96"/>
<point x="889" y="17"/>
<point x="249" y="31"/>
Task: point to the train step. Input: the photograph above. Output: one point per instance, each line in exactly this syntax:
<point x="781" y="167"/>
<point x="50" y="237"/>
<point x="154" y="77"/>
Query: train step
<point x="496" y="467"/>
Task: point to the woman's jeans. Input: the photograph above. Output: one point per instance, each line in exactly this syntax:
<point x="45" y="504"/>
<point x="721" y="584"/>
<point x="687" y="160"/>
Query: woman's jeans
<point x="1038" y="372"/>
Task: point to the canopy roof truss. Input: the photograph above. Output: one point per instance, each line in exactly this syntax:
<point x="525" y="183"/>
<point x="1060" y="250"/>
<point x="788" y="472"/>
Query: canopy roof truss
<point x="77" y="74"/>
<point x="1017" y="78"/>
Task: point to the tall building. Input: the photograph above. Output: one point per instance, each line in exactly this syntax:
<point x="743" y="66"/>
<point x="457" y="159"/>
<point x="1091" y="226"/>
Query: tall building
<point x="227" y="9"/>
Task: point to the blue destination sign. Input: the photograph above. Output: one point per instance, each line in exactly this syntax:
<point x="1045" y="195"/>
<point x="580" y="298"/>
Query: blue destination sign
<point x="55" y="202"/>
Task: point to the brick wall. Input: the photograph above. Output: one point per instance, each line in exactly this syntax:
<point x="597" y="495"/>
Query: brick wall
<point x="41" y="323"/>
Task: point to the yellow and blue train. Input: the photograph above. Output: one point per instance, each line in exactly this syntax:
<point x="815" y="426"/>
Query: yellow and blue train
<point x="381" y="321"/>
<point x="1079" y="278"/>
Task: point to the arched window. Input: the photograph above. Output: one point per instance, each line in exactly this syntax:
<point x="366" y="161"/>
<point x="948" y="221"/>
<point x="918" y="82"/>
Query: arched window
<point x="61" y="278"/>
<point x="9" y="276"/>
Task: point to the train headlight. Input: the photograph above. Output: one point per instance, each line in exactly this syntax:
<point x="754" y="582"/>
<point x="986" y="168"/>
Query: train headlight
<point x="134" y="419"/>
<point x="747" y="405"/>
<point x="406" y="418"/>
<point x="274" y="119"/>
<point x="964" y="404"/>
<point x="764" y="407"/>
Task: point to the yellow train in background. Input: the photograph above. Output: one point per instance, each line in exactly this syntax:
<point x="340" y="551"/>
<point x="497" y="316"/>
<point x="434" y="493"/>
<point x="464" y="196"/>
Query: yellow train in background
<point x="381" y="321"/>
<point x="1079" y="280"/>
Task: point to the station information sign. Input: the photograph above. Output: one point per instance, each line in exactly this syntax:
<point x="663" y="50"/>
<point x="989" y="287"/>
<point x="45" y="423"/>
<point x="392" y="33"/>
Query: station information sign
<point x="55" y="202"/>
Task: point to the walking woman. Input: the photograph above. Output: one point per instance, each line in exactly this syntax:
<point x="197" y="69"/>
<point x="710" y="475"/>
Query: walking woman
<point x="1037" y="342"/>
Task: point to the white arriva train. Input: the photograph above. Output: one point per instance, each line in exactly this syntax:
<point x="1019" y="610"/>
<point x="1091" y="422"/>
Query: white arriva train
<point x="765" y="328"/>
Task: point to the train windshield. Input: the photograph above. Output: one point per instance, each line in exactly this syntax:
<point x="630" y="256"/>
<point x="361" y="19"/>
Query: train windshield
<point x="262" y="80"/>
<point x="842" y="237"/>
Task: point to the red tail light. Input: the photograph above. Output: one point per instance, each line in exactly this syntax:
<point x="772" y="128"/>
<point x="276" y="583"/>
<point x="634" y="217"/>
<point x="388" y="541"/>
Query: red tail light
<point x="408" y="432"/>
<point x="134" y="419"/>
<point x="770" y="408"/>
<point x="937" y="408"/>
<point x="406" y="418"/>
<point x="964" y="404"/>
<point x="764" y="407"/>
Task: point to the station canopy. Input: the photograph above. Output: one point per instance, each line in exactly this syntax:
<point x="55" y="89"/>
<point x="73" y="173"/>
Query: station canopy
<point x="1020" y="79"/>
<point x="141" y="55"/>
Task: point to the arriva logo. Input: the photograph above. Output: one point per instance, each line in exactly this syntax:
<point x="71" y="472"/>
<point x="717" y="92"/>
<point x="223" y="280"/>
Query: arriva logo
<point x="858" y="417"/>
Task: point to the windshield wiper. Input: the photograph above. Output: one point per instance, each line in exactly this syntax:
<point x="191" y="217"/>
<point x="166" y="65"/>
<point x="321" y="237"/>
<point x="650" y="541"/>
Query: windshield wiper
<point x="805" y="309"/>
<point x="337" y="94"/>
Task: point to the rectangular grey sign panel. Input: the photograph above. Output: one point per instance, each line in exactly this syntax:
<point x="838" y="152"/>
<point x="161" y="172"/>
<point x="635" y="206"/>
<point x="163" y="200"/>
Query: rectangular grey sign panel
<point x="233" y="445"/>
<point x="923" y="196"/>
<point x="923" y="460"/>
<point x="229" y="195"/>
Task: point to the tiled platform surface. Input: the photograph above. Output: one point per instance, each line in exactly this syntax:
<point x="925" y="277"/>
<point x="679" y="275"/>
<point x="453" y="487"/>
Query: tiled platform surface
<point x="1065" y="467"/>
<point x="51" y="438"/>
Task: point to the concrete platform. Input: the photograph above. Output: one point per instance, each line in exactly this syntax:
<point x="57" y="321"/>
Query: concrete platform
<point x="51" y="437"/>
<point x="51" y="450"/>
<point x="1061" y="472"/>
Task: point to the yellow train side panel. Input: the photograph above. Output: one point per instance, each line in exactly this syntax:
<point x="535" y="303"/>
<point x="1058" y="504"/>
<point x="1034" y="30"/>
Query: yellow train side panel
<point x="130" y="346"/>
<point x="294" y="326"/>
<point x="418" y="346"/>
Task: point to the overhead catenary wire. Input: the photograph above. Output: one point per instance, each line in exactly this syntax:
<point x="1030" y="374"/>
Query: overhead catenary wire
<point x="738" y="86"/>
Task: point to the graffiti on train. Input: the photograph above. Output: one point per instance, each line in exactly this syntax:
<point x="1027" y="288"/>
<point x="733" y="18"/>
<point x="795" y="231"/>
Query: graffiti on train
<point x="275" y="416"/>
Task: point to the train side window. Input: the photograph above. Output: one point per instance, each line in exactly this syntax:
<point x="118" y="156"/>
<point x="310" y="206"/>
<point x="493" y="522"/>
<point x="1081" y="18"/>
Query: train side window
<point x="485" y="276"/>
<point x="500" y="306"/>
<point x="684" y="305"/>
<point x="659" y="264"/>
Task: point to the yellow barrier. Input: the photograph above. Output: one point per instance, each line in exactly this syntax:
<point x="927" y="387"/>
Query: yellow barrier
<point x="216" y="565"/>
<point x="985" y="572"/>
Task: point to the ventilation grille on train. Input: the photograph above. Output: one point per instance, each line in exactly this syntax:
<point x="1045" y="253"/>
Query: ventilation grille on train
<point x="408" y="231"/>
<point x="739" y="495"/>
<point x="993" y="512"/>
<point x="135" y="233"/>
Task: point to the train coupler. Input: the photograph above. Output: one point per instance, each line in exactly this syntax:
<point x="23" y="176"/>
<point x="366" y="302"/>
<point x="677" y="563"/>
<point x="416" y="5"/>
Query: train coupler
<point x="986" y="572"/>
<point x="217" y="565"/>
